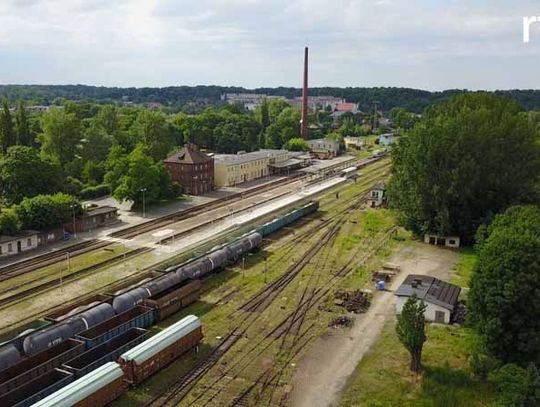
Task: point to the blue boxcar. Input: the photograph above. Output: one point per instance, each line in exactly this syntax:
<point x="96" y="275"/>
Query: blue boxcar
<point x="138" y="317"/>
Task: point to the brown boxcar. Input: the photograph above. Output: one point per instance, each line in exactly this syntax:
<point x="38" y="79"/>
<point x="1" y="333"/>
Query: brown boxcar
<point x="157" y="352"/>
<point x="39" y="364"/>
<point x="172" y="300"/>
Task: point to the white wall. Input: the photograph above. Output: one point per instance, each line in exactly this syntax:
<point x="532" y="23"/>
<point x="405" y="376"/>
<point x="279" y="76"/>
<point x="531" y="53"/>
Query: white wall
<point x="429" y="314"/>
<point x="24" y="245"/>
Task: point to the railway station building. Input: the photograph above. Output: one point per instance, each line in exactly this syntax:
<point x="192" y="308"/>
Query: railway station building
<point x="233" y="169"/>
<point x="191" y="169"/>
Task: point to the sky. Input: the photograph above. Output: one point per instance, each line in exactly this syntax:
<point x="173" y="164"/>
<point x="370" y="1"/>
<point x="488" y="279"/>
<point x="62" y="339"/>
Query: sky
<point x="426" y="44"/>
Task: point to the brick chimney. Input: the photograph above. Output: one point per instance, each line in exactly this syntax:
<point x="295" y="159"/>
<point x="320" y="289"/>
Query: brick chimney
<point x="304" y="130"/>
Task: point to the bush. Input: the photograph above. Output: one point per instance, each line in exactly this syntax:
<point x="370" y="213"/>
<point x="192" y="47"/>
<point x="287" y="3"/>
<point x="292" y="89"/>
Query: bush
<point x="46" y="211"/>
<point x="517" y="386"/>
<point x="9" y="222"/>
<point x="95" y="192"/>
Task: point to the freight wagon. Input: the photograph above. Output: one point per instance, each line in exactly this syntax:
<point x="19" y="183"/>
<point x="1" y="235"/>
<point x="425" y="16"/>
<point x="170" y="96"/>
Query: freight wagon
<point x="37" y="389"/>
<point x="152" y="355"/>
<point x="166" y="294"/>
<point x="169" y="302"/>
<point x="106" y="352"/>
<point x="138" y="317"/>
<point x="107" y="382"/>
<point x="96" y="389"/>
<point x="39" y="364"/>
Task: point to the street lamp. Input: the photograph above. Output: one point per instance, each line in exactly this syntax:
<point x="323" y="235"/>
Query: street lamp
<point x="74" y="224"/>
<point x="143" y="190"/>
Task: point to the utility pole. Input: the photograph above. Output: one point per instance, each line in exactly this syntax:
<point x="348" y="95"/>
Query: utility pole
<point x="143" y="190"/>
<point x="74" y="223"/>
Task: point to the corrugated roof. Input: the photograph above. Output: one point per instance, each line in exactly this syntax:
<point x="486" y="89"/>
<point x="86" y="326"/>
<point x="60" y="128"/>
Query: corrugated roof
<point x="160" y="341"/>
<point x="430" y="289"/>
<point x="234" y="159"/>
<point x="83" y="387"/>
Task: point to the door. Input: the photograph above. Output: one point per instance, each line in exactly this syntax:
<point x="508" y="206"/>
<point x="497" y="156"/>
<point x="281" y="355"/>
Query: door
<point x="19" y="246"/>
<point x="439" y="317"/>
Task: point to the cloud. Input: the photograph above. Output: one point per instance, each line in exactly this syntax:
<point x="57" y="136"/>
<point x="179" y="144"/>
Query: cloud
<point x="422" y="43"/>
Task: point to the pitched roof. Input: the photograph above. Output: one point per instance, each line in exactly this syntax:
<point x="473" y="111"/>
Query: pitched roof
<point x="188" y="155"/>
<point x="430" y="289"/>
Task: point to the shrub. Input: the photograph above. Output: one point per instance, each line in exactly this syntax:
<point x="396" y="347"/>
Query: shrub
<point x="517" y="386"/>
<point x="46" y="211"/>
<point x="9" y="222"/>
<point x="95" y="191"/>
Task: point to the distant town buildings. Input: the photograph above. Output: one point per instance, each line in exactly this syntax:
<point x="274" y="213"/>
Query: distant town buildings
<point x="191" y="169"/>
<point x="249" y="101"/>
<point x="347" y="107"/>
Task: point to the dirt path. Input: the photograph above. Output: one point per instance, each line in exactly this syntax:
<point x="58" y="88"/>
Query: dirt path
<point x="323" y="372"/>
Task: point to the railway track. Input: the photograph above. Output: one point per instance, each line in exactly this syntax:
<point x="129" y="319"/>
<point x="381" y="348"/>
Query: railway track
<point x="252" y="309"/>
<point x="50" y="258"/>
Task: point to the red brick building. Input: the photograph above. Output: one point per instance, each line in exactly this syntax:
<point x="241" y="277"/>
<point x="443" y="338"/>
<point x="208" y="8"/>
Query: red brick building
<point x="192" y="170"/>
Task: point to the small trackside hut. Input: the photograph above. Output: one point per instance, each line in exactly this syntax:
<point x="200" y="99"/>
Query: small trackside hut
<point x="440" y="297"/>
<point x="161" y="349"/>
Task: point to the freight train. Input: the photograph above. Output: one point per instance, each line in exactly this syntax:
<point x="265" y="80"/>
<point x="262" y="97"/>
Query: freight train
<point x="83" y="328"/>
<point x="107" y="382"/>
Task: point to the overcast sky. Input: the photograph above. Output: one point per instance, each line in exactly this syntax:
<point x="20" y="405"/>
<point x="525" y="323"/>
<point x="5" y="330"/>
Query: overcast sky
<point x="427" y="44"/>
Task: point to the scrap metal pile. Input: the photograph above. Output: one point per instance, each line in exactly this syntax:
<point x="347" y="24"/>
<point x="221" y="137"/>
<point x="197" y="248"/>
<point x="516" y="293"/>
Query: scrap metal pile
<point x="353" y="301"/>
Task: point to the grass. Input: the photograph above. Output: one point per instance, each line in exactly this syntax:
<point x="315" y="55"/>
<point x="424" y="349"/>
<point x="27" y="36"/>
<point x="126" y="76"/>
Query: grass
<point x="383" y="379"/>
<point x="464" y="268"/>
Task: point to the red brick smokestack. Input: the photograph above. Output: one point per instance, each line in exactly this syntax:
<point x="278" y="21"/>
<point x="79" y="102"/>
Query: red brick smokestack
<point x="304" y="130"/>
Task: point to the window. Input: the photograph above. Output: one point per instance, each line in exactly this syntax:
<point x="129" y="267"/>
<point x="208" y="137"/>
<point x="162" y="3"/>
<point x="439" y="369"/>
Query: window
<point x="439" y="317"/>
<point x="9" y="247"/>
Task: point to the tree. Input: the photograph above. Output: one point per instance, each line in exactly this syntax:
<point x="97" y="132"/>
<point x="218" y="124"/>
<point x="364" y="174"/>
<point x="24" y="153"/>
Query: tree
<point x="153" y="132"/>
<point x="47" y="211"/>
<point x="107" y="119"/>
<point x="517" y="386"/>
<point x="504" y="298"/>
<point x="24" y="174"/>
<point x="61" y="135"/>
<point x="7" y="137"/>
<point x="9" y="222"/>
<point x="296" y="144"/>
<point x="466" y="160"/>
<point x="402" y="119"/>
<point x="96" y="143"/>
<point x="142" y="174"/>
<point x="410" y="329"/>
<point x="22" y="126"/>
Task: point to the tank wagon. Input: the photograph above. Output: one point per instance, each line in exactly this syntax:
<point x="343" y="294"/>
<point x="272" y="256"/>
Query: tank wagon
<point x="98" y="319"/>
<point x="106" y="383"/>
